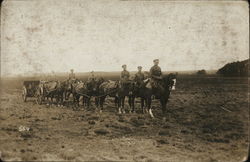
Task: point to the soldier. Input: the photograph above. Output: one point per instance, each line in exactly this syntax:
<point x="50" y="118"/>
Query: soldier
<point x="124" y="74"/>
<point x="139" y="76"/>
<point x="155" y="71"/>
<point x="72" y="75"/>
<point x="91" y="77"/>
<point x="156" y="75"/>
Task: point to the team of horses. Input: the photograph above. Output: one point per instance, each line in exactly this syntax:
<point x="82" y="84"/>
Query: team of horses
<point x="100" y="88"/>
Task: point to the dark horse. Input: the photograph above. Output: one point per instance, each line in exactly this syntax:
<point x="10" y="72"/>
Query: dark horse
<point x="86" y="89"/>
<point x="137" y="90"/>
<point x="118" y="91"/>
<point x="167" y="82"/>
<point x="126" y="90"/>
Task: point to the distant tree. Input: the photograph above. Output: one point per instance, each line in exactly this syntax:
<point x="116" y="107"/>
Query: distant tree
<point x="201" y="72"/>
<point x="236" y="69"/>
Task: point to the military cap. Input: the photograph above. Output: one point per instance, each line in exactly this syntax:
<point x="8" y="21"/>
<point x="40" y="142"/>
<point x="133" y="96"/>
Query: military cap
<point x="124" y="65"/>
<point x="156" y="60"/>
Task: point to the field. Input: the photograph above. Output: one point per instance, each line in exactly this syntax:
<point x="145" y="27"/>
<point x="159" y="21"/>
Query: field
<point x="207" y="120"/>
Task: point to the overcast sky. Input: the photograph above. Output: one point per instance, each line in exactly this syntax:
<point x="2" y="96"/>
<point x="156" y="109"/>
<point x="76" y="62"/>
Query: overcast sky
<point x="57" y="35"/>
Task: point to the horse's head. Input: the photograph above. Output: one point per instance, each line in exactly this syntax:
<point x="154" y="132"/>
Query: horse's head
<point x="132" y="87"/>
<point x="67" y="85"/>
<point x="170" y="81"/>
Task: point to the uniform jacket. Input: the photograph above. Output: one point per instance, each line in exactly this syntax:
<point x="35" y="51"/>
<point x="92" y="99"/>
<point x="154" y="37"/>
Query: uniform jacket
<point x="155" y="72"/>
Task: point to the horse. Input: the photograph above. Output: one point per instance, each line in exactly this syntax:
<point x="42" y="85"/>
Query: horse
<point x="93" y="89"/>
<point x="86" y="90"/>
<point x="50" y="90"/>
<point x="107" y="88"/>
<point x="79" y="89"/>
<point x="168" y="83"/>
<point x="126" y="90"/>
<point x="137" y="92"/>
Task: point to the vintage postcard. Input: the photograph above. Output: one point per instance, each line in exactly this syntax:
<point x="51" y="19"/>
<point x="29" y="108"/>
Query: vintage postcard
<point x="124" y="80"/>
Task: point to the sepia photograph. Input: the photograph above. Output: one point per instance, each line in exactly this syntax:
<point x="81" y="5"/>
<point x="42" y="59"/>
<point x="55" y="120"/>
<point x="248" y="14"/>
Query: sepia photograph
<point x="124" y="80"/>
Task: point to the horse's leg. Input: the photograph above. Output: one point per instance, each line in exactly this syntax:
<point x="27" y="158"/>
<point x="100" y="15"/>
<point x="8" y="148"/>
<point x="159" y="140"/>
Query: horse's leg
<point x="88" y="102"/>
<point x="64" y="97"/>
<point x="146" y="105"/>
<point x="119" y="100"/>
<point x="142" y="105"/>
<point x="50" y="100"/>
<point x="123" y="102"/>
<point x="78" y="101"/>
<point x="47" y="100"/>
<point x="60" y="99"/>
<point x="102" y="99"/>
<point x="130" y="103"/>
<point x="149" y="107"/>
<point x="67" y="95"/>
<point x="116" y="102"/>
<point x="85" y="102"/>
<point x="133" y="103"/>
<point x="75" y="100"/>
<point x="163" y="105"/>
<point x="53" y="99"/>
<point x="97" y="101"/>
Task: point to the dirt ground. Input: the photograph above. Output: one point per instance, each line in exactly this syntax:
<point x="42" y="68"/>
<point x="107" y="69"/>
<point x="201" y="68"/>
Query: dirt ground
<point x="207" y="120"/>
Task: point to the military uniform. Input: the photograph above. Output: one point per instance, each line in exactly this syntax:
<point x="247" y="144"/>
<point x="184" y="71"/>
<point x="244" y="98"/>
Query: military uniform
<point x="72" y="76"/>
<point x="125" y="75"/>
<point x="155" y="72"/>
<point x="91" y="78"/>
<point x="139" y="77"/>
<point x="156" y="76"/>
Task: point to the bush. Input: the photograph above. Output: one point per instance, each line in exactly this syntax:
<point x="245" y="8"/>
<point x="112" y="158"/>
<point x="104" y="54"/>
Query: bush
<point x="201" y="72"/>
<point x="239" y="68"/>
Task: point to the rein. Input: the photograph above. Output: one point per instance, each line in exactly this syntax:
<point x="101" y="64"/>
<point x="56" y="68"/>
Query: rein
<point x="99" y="95"/>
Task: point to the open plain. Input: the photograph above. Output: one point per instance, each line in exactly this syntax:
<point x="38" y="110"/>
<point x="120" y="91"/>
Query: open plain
<point x="207" y="120"/>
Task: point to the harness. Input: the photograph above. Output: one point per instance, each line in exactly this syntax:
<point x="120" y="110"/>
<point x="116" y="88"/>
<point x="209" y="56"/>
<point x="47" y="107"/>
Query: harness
<point x="85" y="95"/>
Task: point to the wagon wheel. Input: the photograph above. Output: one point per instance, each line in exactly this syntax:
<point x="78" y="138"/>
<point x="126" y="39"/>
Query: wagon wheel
<point x="24" y="94"/>
<point x="39" y="99"/>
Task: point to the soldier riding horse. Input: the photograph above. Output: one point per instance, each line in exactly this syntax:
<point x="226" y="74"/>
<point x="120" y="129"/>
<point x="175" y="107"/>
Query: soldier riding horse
<point x="161" y="91"/>
<point x="158" y="86"/>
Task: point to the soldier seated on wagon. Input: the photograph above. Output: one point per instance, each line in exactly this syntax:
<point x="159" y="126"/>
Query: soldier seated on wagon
<point x="91" y="77"/>
<point x="72" y="76"/>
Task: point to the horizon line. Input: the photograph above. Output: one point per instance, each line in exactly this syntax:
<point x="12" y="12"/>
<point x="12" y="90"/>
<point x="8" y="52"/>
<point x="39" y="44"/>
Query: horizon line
<point x="51" y="73"/>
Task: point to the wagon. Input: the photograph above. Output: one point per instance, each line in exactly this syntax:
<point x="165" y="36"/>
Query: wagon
<point x="30" y="89"/>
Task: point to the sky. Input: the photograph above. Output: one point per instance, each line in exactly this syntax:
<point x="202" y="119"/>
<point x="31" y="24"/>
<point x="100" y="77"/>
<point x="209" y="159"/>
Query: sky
<point x="59" y="35"/>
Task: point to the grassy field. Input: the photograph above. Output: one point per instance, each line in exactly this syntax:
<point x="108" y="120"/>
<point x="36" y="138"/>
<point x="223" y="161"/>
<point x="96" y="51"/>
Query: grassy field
<point x="207" y="120"/>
